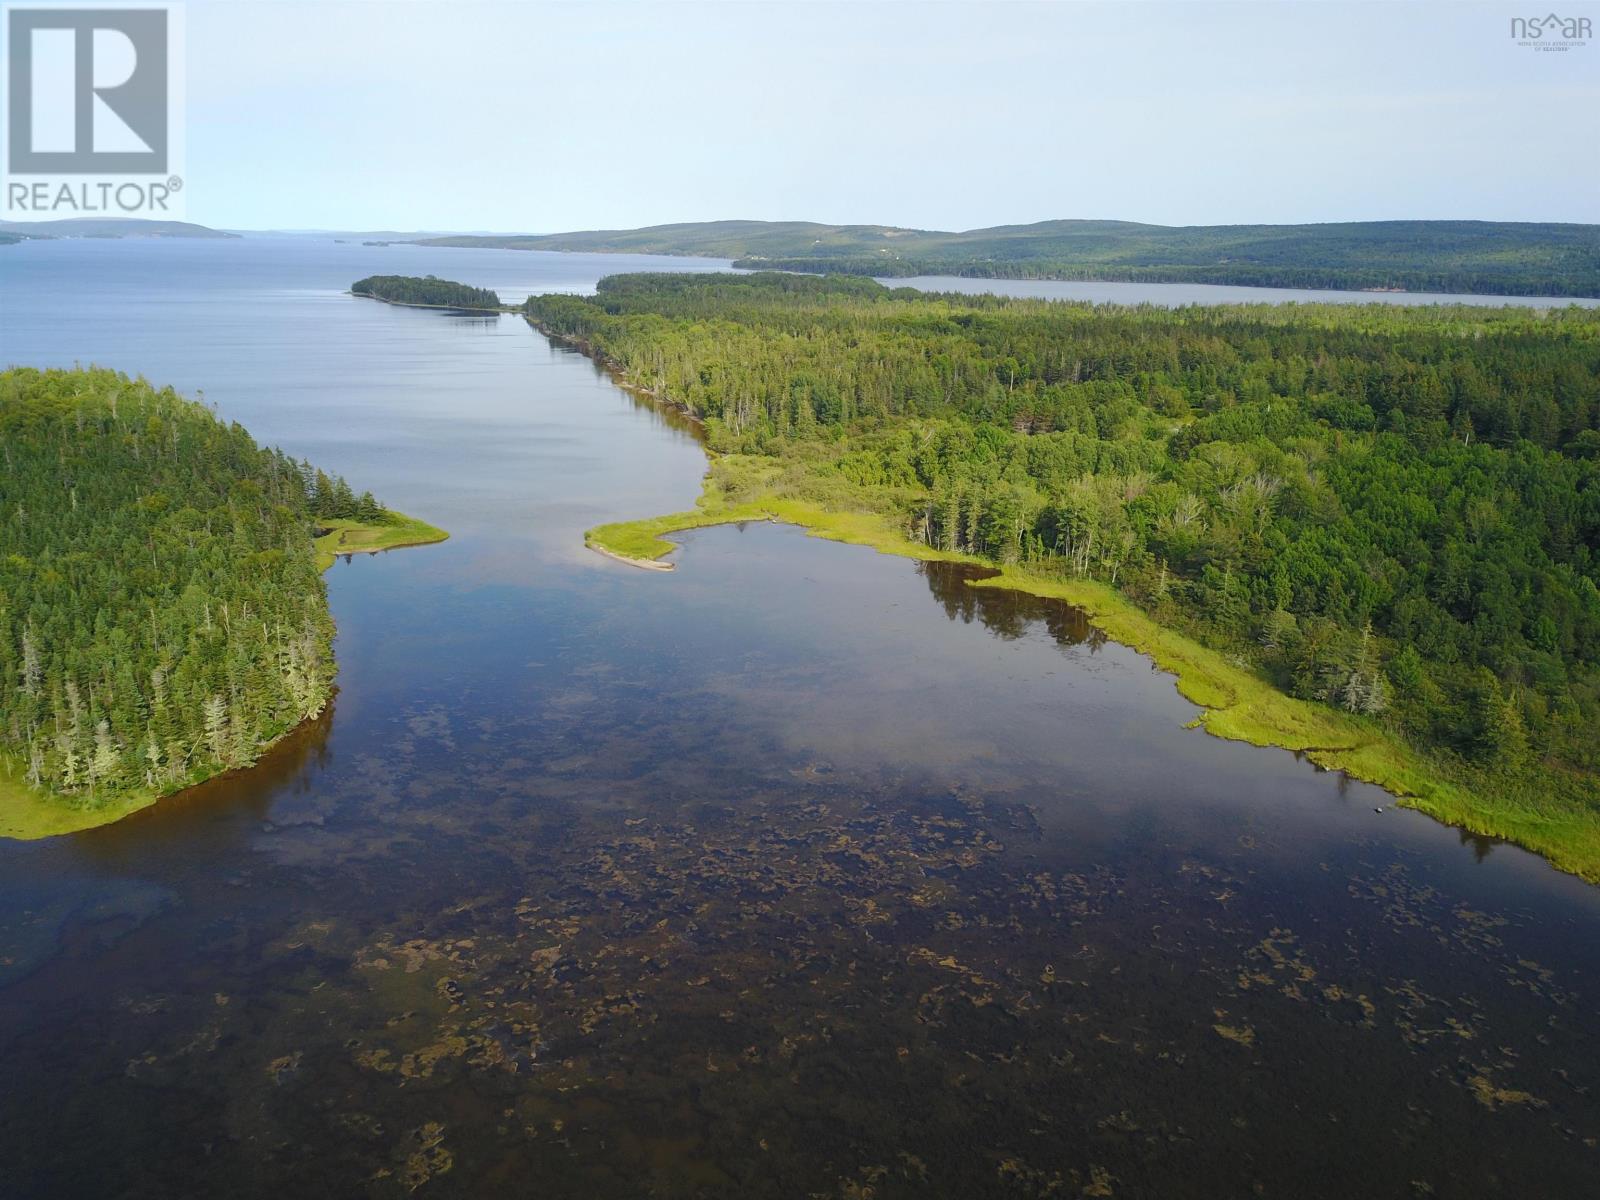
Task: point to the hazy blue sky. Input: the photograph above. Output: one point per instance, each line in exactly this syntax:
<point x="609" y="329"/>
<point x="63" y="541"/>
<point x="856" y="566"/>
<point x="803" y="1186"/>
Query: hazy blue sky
<point x="532" y="116"/>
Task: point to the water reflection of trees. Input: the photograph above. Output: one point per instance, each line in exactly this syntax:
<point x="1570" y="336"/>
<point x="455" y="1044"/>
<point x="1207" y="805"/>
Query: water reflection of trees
<point x="661" y="414"/>
<point x="1480" y="843"/>
<point x="1005" y="613"/>
<point x="225" y="809"/>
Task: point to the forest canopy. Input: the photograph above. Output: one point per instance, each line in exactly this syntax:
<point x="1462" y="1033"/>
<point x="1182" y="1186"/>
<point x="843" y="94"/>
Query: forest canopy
<point x="162" y="614"/>
<point x="424" y="289"/>
<point x="1494" y="257"/>
<point x="1394" y="511"/>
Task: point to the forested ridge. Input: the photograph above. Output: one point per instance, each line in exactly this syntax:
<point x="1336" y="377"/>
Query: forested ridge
<point x="424" y="289"/>
<point x="1394" y="511"/>
<point x="1474" y="279"/>
<point x="1494" y="257"/>
<point x="162" y="614"/>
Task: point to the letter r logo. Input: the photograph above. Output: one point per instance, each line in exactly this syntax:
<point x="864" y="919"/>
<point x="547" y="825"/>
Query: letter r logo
<point x="87" y="90"/>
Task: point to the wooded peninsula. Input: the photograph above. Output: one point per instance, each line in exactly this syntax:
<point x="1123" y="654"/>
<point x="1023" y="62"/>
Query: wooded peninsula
<point x="1493" y="257"/>
<point x="1370" y="533"/>
<point x="163" y="616"/>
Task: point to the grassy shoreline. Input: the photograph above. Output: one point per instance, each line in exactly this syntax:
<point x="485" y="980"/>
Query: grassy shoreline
<point x="355" y="537"/>
<point x="1236" y="703"/>
<point x="29" y="814"/>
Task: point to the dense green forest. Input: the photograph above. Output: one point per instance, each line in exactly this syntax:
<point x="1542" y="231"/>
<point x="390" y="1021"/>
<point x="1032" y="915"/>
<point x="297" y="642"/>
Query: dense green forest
<point x="1395" y="511"/>
<point x="162" y="614"/>
<point x="1515" y="258"/>
<point x="425" y="289"/>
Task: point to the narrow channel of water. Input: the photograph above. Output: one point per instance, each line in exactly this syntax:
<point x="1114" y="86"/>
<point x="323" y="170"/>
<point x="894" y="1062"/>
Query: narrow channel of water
<point x="799" y="870"/>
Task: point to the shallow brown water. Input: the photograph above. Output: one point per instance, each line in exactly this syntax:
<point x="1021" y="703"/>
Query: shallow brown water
<point x="798" y="871"/>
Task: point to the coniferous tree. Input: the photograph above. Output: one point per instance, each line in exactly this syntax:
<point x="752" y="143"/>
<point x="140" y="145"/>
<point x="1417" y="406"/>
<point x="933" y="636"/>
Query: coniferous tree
<point x="1371" y="503"/>
<point x="161" y="612"/>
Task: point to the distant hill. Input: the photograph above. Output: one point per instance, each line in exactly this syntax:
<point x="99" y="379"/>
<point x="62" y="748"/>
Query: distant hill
<point x="1518" y="258"/>
<point x="357" y="235"/>
<point x="109" y="228"/>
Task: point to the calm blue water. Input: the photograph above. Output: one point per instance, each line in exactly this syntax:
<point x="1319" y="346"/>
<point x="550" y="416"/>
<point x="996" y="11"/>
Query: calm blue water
<point x="797" y="871"/>
<point x="1174" y="295"/>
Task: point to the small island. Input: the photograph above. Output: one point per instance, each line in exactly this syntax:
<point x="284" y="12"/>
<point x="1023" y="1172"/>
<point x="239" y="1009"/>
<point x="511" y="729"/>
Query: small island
<point x="163" y="617"/>
<point x="1497" y="257"/>
<point x="427" y="291"/>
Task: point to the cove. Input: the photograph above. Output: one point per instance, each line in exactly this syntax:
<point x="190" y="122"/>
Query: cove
<point x="798" y="869"/>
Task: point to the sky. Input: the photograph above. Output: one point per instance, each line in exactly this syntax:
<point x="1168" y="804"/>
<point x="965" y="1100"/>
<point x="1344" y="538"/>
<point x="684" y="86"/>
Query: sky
<point x="504" y="116"/>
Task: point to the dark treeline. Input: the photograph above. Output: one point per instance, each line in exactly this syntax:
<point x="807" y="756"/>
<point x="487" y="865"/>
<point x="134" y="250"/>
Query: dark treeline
<point x="1393" y="510"/>
<point x="161" y="611"/>
<point x="1513" y="281"/>
<point x="425" y="289"/>
<point x="1506" y="257"/>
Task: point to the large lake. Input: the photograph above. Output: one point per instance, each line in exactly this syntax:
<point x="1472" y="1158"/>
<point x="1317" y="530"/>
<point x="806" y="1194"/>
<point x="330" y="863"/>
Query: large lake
<point x="1173" y="295"/>
<point x="799" y="871"/>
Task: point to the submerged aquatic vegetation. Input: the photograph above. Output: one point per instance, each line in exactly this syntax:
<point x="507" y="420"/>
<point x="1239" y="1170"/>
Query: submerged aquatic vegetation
<point x="1269" y="501"/>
